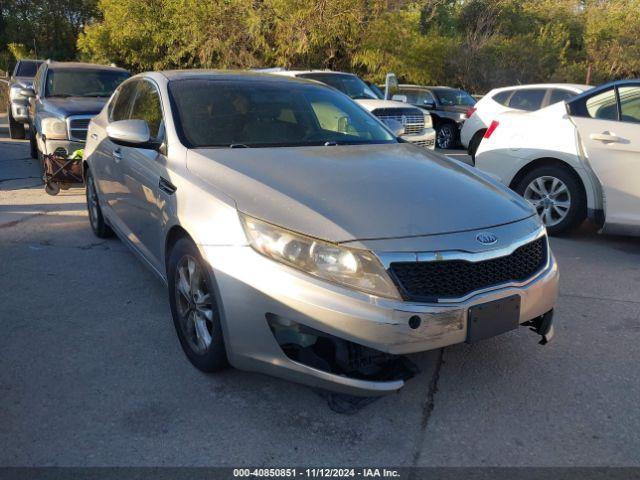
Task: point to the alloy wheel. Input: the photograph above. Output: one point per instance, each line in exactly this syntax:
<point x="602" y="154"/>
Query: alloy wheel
<point x="92" y="203"/>
<point x="194" y="304"/>
<point x="445" y="137"/>
<point x="551" y="199"/>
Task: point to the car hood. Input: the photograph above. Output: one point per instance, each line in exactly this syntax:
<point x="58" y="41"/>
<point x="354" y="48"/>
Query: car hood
<point x="348" y="193"/>
<point x="75" y="105"/>
<point x="23" y="81"/>
<point x="372" y="104"/>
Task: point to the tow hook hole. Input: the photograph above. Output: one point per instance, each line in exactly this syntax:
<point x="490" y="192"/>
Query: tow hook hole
<point x="415" y="321"/>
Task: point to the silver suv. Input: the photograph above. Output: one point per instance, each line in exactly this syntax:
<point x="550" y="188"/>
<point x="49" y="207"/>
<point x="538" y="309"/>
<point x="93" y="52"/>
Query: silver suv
<point x="298" y="237"/>
<point x="64" y="98"/>
<point x="18" y="108"/>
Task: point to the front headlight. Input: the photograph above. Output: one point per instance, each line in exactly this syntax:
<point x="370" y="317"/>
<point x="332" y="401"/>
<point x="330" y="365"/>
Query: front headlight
<point x="14" y="93"/>
<point x="54" y="128"/>
<point x="357" y="269"/>
<point x="428" y="122"/>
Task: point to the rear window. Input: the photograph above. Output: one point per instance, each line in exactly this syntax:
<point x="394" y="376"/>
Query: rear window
<point x="527" y="99"/>
<point x="27" y="68"/>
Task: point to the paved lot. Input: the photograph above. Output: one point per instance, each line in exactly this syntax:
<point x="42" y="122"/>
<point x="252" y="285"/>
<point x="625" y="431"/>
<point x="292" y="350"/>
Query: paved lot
<point x="91" y="372"/>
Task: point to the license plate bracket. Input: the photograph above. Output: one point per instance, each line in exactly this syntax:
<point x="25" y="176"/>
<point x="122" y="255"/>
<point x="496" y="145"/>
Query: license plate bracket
<point x="493" y="318"/>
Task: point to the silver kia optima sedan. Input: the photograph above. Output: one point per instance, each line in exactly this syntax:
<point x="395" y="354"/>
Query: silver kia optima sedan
<point x="300" y="238"/>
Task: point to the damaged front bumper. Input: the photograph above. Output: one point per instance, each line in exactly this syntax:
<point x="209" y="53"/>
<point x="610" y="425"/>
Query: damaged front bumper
<point x="260" y="299"/>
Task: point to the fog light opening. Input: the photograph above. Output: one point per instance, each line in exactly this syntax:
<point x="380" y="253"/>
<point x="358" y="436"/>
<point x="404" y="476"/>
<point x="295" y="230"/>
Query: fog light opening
<point x="332" y="354"/>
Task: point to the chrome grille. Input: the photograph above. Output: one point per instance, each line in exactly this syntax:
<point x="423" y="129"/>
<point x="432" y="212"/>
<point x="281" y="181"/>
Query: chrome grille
<point x="452" y="279"/>
<point x="411" y="118"/>
<point x="424" y="143"/>
<point x="78" y="126"/>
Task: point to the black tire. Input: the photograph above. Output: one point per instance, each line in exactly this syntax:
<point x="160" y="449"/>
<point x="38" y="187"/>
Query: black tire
<point x="52" y="188"/>
<point x="33" y="144"/>
<point x="446" y="136"/>
<point x="16" y="129"/>
<point x="577" y="199"/>
<point x="475" y="143"/>
<point x="213" y="357"/>
<point x="96" y="219"/>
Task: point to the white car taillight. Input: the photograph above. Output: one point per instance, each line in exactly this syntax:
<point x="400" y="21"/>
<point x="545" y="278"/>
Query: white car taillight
<point x="470" y="112"/>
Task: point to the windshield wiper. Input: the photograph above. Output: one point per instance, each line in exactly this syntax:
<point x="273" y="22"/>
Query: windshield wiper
<point x="331" y="143"/>
<point x="60" y="95"/>
<point x="239" y="145"/>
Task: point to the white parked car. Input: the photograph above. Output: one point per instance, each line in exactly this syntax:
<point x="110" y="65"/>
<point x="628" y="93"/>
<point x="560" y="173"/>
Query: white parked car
<point x="417" y="126"/>
<point x="526" y="98"/>
<point x="574" y="159"/>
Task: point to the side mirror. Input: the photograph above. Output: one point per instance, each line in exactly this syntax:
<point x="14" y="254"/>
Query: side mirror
<point x="429" y="104"/>
<point x="400" y="98"/>
<point x="395" y="126"/>
<point x="390" y="85"/>
<point x="132" y="133"/>
<point x="27" y="92"/>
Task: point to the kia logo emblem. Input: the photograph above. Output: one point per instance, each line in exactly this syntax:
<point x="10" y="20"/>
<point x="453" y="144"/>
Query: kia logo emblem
<point x="486" y="238"/>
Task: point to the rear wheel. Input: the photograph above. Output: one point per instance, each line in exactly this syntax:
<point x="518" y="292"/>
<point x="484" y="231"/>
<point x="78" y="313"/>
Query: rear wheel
<point x="446" y="136"/>
<point x="194" y="308"/>
<point x="475" y="143"/>
<point x="557" y="195"/>
<point x="98" y="225"/>
<point x="16" y="129"/>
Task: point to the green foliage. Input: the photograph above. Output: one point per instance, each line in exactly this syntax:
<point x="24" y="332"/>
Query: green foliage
<point x="476" y="44"/>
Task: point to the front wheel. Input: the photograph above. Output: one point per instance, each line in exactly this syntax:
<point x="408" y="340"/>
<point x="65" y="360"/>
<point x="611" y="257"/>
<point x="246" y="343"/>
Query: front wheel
<point x="557" y="195"/>
<point x="446" y="136"/>
<point x="194" y="308"/>
<point x="33" y="143"/>
<point x="98" y="225"/>
<point x="16" y="129"/>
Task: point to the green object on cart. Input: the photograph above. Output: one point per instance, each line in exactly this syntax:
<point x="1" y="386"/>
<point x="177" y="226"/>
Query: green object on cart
<point x="77" y="155"/>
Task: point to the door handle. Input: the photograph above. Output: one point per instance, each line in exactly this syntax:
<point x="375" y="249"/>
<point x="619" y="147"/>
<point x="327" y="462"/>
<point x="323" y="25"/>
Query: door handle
<point x="117" y="155"/>
<point x="605" y="137"/>
<point x="166" y="186"/>
<point x="94" y="136"/>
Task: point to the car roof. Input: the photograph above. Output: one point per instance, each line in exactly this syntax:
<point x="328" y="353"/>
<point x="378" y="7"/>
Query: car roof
<point x="295" y="73"/>
<point x="575" y="87"/>
<point x="246" y="75"/>
<point x="427" y="87"/>
<point x="605" y="86"/>
<point x="83" y="66"/>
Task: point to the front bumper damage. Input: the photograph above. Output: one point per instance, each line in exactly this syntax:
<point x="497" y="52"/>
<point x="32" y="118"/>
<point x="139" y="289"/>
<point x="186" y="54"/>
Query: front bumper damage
<point x="282" y="322"/>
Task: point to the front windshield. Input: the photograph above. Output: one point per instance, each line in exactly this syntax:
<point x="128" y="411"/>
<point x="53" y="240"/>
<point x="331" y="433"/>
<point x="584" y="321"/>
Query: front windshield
<point x="27" y="68"/>
<point x="250" y="113"/>
<point x="452" y="97"/>
<point x="83" y="82"/>
<point x="416" y="97"/>
<point x="348" y="84"/>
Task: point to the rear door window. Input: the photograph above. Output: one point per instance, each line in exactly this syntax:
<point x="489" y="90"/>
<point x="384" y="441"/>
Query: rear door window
<point x="601" y="105"/>
<point x="527" y="99"/>
<point x="630" y="103"/>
